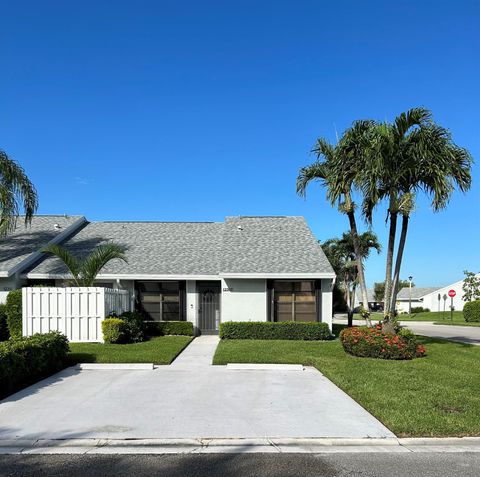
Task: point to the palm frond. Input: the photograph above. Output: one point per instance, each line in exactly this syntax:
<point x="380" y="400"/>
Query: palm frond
<point x="92" y="265"/>
<point x="71" y="262"/>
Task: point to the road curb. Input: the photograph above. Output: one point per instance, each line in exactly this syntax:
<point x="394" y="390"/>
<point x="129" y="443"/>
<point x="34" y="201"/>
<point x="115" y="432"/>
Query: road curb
<point x="254" y="445"/>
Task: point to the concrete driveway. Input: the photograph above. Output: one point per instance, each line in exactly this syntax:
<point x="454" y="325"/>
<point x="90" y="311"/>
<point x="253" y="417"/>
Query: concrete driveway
<point x="185" y="401"/>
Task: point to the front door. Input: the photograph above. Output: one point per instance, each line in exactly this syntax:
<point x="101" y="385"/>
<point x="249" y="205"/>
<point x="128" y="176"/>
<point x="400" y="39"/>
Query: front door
<point x="208" y="307"/>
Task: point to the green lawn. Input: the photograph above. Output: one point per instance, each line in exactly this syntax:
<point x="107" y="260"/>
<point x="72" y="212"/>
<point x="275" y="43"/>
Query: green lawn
<point x="159" y="350"/>
<point x="432" y="396"/>
<point x="438" y="317"/>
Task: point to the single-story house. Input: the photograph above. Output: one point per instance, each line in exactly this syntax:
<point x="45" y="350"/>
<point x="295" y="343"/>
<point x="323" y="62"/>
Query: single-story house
<point x="242" y="269"/>
<point x="373" y="303"/>
<point x="433" y="298"/>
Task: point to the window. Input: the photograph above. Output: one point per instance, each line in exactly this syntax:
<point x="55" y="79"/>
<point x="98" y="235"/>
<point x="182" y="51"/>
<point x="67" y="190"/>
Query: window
<point x="294" y="301"/>
<point x="161" y="301"/>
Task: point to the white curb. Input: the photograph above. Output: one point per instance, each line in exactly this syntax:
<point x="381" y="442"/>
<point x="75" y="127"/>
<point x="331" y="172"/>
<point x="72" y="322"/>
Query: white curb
<point x="225" y="446"/>
<point x="106" y="366"/>
<point x="265" y="367"/>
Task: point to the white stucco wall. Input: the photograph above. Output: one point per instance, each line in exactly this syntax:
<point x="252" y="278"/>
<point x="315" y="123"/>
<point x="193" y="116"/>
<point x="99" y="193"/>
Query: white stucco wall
<point x="6" y="285"/>
<point x="327" y="301"/>
<point x="244" y="300"/>
<point x="191" y="298"/>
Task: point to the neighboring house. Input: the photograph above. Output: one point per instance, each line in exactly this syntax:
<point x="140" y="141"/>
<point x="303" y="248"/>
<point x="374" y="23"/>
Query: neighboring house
<point x="242" y="269"/>
<point x="22" y="247"/>
<point x="418" y="295"/>
<point x="432" y="298"/>
<point x="373" y="304"/>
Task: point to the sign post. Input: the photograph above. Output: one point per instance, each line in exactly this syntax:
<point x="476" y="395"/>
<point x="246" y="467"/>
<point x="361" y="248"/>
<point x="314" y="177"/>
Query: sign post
<point x="451" y="294"/>
<point x="444" y="302"/>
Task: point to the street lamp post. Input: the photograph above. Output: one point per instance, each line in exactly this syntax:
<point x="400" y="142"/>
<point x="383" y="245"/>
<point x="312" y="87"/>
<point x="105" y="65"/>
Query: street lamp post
<point x="410" y="278"/>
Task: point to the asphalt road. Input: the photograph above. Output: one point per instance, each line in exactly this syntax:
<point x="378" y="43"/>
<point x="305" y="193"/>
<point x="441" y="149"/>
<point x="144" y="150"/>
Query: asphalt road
<point x="245" y="465"/>
<point x="462" y="334"/>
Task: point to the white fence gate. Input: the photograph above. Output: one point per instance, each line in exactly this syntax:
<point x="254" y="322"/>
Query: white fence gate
<point x="77" y="312"/>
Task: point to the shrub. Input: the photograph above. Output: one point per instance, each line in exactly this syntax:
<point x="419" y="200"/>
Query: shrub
<point x="160" y="328"/>
<point x="419" y="309"/>
<point x="13" y="310"/>
<point x="374" y="343"/>
<point x="265" y="330"/>
<point x="133" y="326"/>
<point x="26" y="360"/>
<point x="114" y="330"/>
<point x="471" y="311"/>
<point x="4" y="334"/>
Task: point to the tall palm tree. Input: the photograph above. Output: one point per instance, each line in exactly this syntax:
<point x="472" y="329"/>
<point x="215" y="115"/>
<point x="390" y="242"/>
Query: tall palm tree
<point x="337" y="168"/>
<point x="16" y="193"/>
<point x="342" y="256"/>
<point x="84" y="271"/>
<point x="408" y="156"/>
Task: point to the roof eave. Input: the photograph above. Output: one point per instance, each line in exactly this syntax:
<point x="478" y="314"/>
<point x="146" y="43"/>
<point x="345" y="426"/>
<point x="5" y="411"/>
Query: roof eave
<point x="35" y="256"/>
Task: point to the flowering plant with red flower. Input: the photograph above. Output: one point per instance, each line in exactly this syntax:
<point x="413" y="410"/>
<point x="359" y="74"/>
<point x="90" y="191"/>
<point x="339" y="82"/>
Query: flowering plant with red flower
<point x="372" y="342"/>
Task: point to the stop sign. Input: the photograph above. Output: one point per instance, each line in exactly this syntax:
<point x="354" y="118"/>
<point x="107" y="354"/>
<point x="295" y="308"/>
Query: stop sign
<point x="451" y="293"/>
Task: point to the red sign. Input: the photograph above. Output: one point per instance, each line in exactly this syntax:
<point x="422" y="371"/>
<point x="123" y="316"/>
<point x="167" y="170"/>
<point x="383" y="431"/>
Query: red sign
<point x="451" y="293"/>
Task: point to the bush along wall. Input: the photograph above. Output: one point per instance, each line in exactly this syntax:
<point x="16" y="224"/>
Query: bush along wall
<point x="27" y="360"/>
<point x="4" y="334"/>
<point x="161" y="328"/>
<point x="285" y="330"/>
<point x="471" y="311"/>
<point x="368" y="342"/>
<point x="13" y="310"/>
<point x="114" y="331"/>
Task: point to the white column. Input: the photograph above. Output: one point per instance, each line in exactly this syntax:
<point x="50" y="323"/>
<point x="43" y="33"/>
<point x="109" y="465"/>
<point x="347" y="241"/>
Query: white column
<point x="327" y="301"/>
<point x="191" y="299"/>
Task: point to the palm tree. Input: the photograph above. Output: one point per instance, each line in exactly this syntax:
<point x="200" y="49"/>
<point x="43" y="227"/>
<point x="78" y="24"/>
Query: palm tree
<point x="16" y="192"/>
<point x="408" y="156"/>
<point x="342" y="256"/>
<point x="84" y="271"/>
<point x="337" y="168"/>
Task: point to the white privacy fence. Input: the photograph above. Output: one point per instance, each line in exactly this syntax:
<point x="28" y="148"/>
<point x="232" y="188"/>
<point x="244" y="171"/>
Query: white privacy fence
<point x="77" y="312"/>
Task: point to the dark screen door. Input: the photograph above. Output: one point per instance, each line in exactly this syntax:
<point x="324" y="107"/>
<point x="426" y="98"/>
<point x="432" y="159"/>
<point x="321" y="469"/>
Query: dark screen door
<point x="208" y="306"/>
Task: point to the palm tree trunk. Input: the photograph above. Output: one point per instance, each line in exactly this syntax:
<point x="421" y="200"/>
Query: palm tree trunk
<point x="391" y="246"/>
<point x="398" y="262"/>
<point x="349" y="305"/>
<point x="358" y="257"/>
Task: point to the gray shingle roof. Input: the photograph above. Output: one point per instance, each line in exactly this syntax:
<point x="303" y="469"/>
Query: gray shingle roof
<point x="417" y="292"/>
<point x="260" y="245"/>
<point x="271" y="245"/>
<point x="26" y="240"/>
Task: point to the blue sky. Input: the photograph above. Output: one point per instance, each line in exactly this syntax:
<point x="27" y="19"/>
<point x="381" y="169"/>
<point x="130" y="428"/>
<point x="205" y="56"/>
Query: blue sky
<point x="174" y="110"/>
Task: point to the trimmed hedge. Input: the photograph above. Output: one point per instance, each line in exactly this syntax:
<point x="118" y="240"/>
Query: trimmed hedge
<point x="471" y="311"/>
<point x="4" y="334"/>
<point x="161" y="328"/>
<point x="420" y="309"/>
<point x="114" y="330"/>
<point x="133" y="326"/>
<point x="368" y="342"/>
<point x="27" y="360"/>
<point x="266" y="330"/>
<point x="13" y="310"/>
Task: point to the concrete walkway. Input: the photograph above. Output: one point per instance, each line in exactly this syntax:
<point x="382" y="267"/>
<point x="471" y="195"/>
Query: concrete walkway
<point x="198" y="354"/>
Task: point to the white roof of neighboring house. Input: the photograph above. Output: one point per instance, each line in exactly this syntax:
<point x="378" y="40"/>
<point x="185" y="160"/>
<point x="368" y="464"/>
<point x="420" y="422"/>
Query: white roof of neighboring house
<point x="417" y="292"/>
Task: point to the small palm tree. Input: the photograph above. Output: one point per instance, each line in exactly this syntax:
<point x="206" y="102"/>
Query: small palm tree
<point x="341" y="254"/>
<point x="16" y="192"/>
<point x="84" y="271"/>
